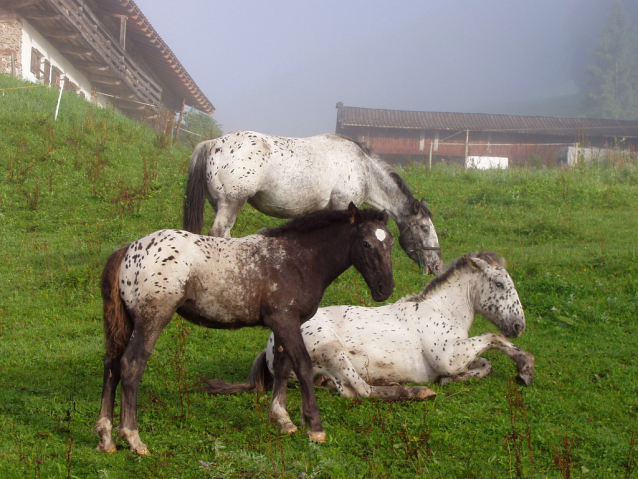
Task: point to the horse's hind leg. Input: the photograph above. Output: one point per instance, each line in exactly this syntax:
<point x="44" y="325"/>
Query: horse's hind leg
<point x="399" y="393"/>
<point x="133" y="363"/>
<point x="104" y="424"/>
<point x="225" y="215"/>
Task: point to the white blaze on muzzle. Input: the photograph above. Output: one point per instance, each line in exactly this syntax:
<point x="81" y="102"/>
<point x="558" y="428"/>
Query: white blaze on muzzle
<point x="380" y="234"/>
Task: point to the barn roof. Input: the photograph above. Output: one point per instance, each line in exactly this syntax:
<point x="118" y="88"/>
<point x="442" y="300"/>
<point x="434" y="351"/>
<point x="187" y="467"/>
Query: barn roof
<point x="428" y="120"/>
<point x="86" y="33"/>
<point x="157" y="53"/>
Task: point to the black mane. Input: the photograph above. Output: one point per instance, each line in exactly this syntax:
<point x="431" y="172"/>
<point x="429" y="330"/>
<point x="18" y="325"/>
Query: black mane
<point x="320" y="219"/>
<point x="400" y="182"/>
<point x="488" y="256"/>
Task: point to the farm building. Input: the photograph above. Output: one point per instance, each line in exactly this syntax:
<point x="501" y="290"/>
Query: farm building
<point x="485" y="140"/>
<point x="105" y="50"/>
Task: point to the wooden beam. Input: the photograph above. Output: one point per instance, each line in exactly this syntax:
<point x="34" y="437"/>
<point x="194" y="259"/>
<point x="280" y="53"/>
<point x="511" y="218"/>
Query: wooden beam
<point x="42" y="15"/>
<point x="179" y="122"/>
<point x="17" y="4"/>
<point x="131" y="106"/>
<point x="75" y="50"/>
<point x="105" y="80"/>
<point x="94" y="67"/>
<point x="123" y="19"/>
<point x="68" y="35"/>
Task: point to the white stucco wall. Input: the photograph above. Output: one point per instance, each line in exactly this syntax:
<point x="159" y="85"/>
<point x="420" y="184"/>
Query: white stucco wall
<point x="32" y="39"/>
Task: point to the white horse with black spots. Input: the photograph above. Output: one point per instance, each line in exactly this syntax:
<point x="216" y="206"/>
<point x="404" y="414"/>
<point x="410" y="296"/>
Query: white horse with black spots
<point x="420" y="338"/>
<point x="289" y="177"/>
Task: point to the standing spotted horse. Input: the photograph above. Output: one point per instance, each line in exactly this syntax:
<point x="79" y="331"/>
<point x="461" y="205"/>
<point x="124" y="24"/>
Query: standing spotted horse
<point x="288" y="177"/>
<point x="275" y="278"/>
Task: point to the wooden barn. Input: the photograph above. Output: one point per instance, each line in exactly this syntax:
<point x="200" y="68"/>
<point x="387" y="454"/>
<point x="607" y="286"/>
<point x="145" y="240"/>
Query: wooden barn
<point x="485" y="140"/>
<point x="105" y="50"/>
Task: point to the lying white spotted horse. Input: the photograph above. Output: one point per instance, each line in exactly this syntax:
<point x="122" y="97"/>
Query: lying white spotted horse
<point x="275" y="278"/>
<point x="420" y="338"/>
<point x="288" y="177"/>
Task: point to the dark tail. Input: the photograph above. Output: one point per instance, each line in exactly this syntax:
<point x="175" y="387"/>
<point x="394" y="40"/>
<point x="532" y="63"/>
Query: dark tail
<point x="117" y="323"/>
<point x="194" y="199"/>
<point x="259" y="380"/>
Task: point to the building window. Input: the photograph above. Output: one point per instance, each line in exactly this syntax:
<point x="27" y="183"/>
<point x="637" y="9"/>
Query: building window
<point x="56" y="75"/>
<point x="36" y="63"/>
<point x="47" y="72"/>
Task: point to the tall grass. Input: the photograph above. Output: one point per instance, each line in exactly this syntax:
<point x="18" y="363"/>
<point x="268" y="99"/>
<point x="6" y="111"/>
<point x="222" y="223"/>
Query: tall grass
<point x="74" y="189"/>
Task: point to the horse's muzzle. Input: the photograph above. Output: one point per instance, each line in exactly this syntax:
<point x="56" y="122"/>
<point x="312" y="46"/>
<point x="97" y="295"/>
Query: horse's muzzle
<point x="515" y="329"/>
<point x="381" y="292"/>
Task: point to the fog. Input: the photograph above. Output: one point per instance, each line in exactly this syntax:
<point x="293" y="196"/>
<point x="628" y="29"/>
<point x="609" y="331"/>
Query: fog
<point x="281" y="68"/>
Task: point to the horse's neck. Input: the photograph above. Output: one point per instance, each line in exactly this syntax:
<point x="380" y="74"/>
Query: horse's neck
<point x="385" y="194"/>
<point x="456" y="297"/>
<point x="328" y="249"/>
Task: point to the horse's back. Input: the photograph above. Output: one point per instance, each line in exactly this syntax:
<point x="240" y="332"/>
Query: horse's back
<point x="286" y="177"/>
<point x="382" y="343"/>
<point x="216" y="277"/>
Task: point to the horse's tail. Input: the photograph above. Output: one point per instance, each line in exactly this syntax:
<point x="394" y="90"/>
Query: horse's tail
<point x="117" y="322"/>
<point x="259" y="380"/>
<point x="194" y="199"/>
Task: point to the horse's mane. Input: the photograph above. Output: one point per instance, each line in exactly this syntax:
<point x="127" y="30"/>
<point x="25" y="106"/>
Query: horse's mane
<point x="320" y="219"/>
<point x="458" y="264"/>
<point x="403" y="186"/>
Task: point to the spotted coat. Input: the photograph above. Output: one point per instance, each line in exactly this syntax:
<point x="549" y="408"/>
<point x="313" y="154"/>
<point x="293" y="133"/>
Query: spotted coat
<point x="419" y="338"/>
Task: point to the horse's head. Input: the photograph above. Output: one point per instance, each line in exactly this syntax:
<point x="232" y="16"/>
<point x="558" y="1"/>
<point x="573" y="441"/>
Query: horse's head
<point x="497" y="298"/>
<point x="419" y="240"/>
<point x="371" y="251"/>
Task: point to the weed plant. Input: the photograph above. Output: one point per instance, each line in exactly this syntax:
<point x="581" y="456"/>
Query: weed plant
<point x="74" y="189"/>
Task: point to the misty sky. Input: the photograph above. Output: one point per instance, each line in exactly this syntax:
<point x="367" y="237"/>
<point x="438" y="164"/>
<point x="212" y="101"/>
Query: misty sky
<point x="280" y="67"/>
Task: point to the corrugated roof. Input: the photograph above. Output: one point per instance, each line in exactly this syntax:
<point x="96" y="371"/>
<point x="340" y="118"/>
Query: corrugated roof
<point x="427" y="120"/>
<point x="158" y="55"/>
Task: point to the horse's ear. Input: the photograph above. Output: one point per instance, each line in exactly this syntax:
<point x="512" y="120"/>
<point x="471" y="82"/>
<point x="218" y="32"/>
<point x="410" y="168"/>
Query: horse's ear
<point x="353" y="210"/>
<point x="416" y="206"/>
<point x="385" y="217"/>
<point x="424" y="205"/>
<point x="478" y="263"/>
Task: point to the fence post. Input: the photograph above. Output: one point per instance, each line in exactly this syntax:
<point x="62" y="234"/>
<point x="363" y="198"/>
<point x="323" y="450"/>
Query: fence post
<point x="430" y="160"/>
<point x="57" y="108"/>
<point x="467" y="146"/>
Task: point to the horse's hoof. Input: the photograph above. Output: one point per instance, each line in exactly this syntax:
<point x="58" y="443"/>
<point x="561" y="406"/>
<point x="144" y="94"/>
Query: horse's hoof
<point x="425" y="393"/>
<point x="288" y="428"/>
<point x="108" y="448"/>
<point x="141" y="451"/>
<point x="317" y="436"/>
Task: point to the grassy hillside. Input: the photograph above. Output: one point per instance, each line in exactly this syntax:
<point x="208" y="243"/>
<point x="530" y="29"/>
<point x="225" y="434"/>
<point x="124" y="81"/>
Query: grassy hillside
<point x="73" y="190"/>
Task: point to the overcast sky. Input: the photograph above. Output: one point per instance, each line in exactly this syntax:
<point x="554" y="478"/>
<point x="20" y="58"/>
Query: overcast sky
<point x="280" y="67"/>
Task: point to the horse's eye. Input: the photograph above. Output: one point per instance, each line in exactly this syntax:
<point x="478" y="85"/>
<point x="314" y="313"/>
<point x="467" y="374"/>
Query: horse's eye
<point x="498" y="284"/>
<point x="366" y="244"/>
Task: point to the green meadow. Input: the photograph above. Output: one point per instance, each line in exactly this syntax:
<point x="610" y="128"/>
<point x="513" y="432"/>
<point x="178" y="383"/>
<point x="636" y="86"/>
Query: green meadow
<point x="73" y="190"/>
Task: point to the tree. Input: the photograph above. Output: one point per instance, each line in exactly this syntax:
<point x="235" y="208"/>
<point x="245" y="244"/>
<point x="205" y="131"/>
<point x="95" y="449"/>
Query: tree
<point x="614" y="75"/>
<point x="198" y="126"/>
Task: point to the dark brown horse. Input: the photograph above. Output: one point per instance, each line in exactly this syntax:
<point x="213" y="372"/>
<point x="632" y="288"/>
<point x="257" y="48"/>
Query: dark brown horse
<point x="275" y="278"/>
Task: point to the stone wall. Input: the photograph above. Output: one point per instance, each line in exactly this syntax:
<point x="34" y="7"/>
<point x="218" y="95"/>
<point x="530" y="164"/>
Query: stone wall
<point x="10" y="43"/>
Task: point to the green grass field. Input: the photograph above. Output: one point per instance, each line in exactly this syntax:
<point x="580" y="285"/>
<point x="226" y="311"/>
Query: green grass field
<point x="71" y="191"/>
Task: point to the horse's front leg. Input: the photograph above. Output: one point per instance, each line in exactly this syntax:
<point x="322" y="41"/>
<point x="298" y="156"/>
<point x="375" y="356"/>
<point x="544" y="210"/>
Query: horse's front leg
<point x="477" y="369"/>
<point x="278" y="408"/>
<point x="289" y="340"/>
<point x="465" y="351"/>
